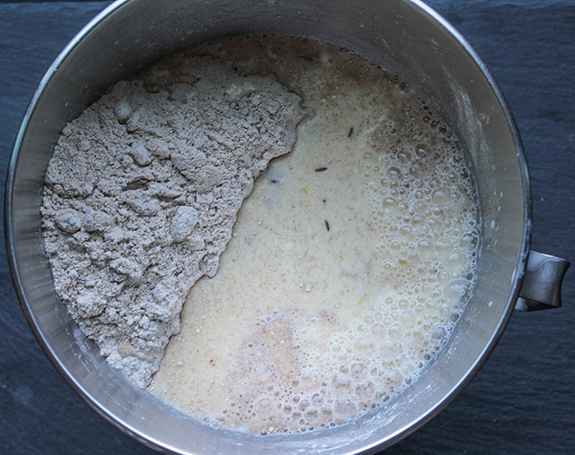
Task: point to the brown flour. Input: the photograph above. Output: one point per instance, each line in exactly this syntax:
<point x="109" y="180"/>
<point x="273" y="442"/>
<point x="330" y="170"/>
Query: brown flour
<point x="142" y="193"/>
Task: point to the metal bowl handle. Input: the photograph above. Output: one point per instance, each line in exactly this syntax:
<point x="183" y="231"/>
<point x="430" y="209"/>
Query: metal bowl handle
<point x="541" y="288"/>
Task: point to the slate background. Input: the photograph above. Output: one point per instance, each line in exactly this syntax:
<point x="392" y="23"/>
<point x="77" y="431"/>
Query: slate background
<point x="521" y="402"/>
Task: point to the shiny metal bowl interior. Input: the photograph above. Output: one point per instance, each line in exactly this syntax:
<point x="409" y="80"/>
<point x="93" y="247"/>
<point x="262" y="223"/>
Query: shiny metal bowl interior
<point x="404" y="36"/>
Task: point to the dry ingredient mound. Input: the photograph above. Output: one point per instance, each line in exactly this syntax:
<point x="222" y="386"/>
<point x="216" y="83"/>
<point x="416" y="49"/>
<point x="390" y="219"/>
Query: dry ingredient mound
<point x="141" y="195"/>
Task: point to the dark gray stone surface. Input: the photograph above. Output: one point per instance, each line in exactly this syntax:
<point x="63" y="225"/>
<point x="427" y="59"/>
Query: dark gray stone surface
<point x="522" y="401"/>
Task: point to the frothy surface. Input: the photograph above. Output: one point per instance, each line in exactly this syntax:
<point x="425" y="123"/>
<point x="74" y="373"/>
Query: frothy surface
<point x="350" y="261"/>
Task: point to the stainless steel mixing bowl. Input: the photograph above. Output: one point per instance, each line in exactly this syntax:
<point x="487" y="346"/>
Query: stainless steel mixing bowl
<point x="406" y="37"/>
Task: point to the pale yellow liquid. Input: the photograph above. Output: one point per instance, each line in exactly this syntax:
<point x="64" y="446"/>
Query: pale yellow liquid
<point x="339" y="284"/>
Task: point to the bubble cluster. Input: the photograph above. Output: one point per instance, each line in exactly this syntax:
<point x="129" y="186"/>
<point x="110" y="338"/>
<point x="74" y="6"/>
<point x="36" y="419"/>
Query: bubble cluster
<point x="422" y="202"/>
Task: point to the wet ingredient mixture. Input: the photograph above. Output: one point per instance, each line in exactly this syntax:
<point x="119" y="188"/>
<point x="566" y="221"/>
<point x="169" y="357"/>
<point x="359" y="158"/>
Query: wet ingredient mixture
<point x="349" y="263"/>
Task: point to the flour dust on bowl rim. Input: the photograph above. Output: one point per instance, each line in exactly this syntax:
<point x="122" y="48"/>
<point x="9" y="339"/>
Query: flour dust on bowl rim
<point x="404" y="37"/>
